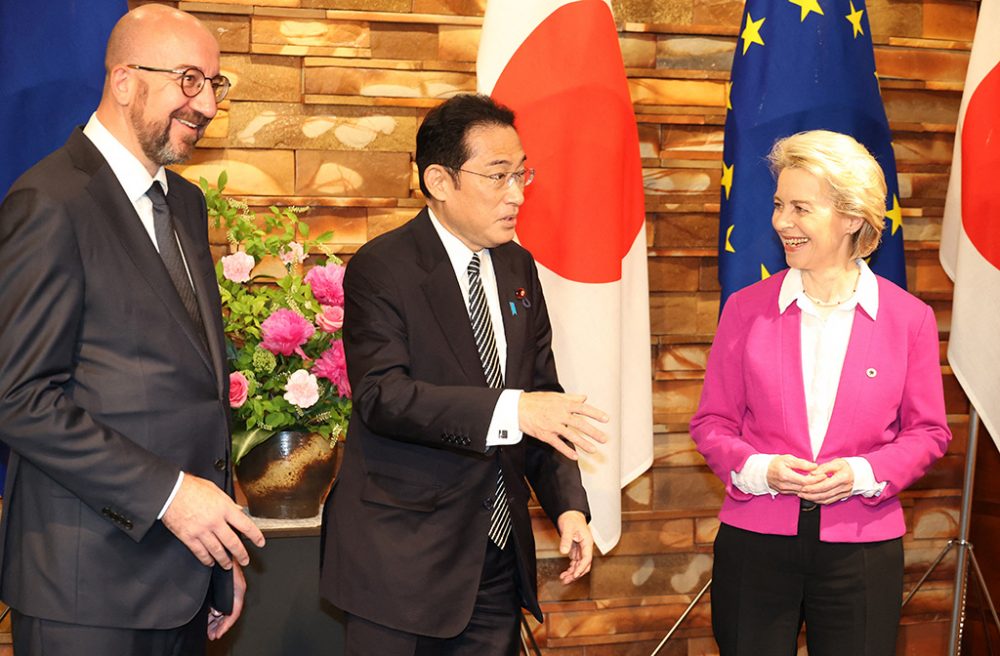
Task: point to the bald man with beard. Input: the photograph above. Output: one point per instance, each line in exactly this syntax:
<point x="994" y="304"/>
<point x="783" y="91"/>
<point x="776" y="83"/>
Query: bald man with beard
<point x="119" y="534"/>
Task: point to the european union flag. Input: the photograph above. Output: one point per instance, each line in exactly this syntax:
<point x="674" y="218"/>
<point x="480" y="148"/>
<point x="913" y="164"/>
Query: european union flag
<point x="51" y="75"/>
<point x="799" y="65"/>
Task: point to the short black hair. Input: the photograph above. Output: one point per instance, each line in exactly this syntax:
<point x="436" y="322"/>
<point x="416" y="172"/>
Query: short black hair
<point x="441" y="138"/>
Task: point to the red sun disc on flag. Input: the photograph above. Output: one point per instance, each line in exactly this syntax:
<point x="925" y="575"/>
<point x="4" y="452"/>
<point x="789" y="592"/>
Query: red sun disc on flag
<point x="574" y="115"/>
<point x="981" y="166"/>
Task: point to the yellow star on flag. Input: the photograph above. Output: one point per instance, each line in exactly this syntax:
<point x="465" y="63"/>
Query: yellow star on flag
<point x="855" y="19"/>
<point x="751" y="33"/>
<point x="807" y="6"/>
<point x="729" y="95"/>
<point x="764" y="273"/>
<point x="727" y="178"/>
<point x="895" y="215"/>
<point x="729" y="232"/>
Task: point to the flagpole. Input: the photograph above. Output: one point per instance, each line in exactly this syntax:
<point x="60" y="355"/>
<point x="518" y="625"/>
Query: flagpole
<point x="965" y="552"/>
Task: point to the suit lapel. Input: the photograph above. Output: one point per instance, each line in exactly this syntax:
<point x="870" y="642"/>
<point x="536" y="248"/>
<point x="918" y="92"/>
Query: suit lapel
<point x="114" y="205"/>
<point x="205" y="287"/>
<point x="793" y="394"/>
<point x="513" y="324"/>
<point x="848" y="389"/>
<point x="444" y="297"/>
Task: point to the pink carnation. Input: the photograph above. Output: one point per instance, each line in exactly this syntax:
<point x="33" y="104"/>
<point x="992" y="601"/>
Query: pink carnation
<point x="331" y="319"/>
<point x="302" y="389"/>
<point x="293" y="253"/>
<point x="327" y="283"/>
<point x="332" y="365"/>
<point x="284" y="332"/>
<point x="239" y="387"/>
<point x="237" y="267"/>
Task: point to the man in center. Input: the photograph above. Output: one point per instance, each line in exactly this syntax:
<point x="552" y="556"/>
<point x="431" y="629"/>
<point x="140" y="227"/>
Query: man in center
<point x="457" y="409"/>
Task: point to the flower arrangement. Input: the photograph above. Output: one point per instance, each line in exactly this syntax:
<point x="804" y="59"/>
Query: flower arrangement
<point x="283" y="328"/>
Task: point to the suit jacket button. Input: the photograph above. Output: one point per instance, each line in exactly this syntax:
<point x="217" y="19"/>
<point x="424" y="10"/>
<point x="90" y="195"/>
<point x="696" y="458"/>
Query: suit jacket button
<point x="220" y="464"/>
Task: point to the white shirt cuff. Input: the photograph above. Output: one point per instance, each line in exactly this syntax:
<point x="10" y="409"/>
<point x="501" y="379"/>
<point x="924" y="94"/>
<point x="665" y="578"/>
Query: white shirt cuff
<point x="173" y="493"/>
<point x="752" y="479"/>
<point x="864" y="478"/>
<point x="503" y="430"/>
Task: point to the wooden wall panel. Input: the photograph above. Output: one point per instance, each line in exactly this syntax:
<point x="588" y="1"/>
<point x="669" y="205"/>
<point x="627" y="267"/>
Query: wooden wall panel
<point x="324" y="113"/>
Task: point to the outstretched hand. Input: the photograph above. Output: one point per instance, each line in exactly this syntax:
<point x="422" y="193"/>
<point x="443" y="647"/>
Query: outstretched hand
<point x="552" y="417"/>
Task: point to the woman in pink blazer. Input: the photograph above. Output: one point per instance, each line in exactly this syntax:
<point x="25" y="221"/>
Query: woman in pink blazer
<point x="822" y="401"/>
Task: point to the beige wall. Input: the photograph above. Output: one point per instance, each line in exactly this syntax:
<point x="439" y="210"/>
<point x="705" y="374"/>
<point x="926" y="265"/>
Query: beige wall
<point x="327" y="97"/>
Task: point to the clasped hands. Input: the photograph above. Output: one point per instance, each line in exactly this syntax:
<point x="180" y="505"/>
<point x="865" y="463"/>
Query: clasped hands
<point x="556" y="419"/>
<point x="823" y="484"/>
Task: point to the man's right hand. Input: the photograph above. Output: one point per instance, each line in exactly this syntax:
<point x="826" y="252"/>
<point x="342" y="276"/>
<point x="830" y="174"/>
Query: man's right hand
<point x="203" y="517"/>
<point x="551" y="416"/>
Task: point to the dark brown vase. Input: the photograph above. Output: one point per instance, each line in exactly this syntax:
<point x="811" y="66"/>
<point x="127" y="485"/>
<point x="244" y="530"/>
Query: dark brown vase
<point x="289" y="475"/>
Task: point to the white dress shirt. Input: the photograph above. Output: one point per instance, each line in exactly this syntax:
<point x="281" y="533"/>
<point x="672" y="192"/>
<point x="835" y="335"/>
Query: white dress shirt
<point x="825" y="334"/>
<point x="136" y="181"/>
<point x="504" y="426"/>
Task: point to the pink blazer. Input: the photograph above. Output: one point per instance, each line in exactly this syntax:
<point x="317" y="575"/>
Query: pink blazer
<point x="889" y="408"/>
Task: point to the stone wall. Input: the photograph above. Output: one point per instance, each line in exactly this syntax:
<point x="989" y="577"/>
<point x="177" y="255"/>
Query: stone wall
<point x="327" y="98"/>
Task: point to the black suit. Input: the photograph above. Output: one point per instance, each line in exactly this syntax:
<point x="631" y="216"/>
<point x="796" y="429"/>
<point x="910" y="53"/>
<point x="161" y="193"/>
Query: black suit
<point x="406" y="524"/>
<point x="107" y="391"/>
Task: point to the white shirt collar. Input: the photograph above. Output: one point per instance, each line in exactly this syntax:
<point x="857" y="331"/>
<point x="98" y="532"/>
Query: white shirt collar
<point x="458" y="253"/>
<point x="131" y="174"/>
<point x="866" y="294"/>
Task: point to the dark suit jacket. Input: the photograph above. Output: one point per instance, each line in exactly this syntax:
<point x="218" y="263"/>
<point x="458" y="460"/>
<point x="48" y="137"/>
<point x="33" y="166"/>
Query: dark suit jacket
<point x="106" y="391"/>
<point x="406" y="524"/>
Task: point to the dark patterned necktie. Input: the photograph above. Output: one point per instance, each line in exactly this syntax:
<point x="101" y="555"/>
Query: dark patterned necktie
<point x="170" y="252"/>
<point x="482" y="328"/>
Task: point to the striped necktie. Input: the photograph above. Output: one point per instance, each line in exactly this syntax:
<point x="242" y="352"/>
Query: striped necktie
<point x="482" y="328"/>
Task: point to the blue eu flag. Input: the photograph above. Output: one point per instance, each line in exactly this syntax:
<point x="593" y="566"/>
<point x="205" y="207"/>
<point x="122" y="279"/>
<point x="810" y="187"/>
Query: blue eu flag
<point x="51" y="75"/>
<point x="799" y="65"/>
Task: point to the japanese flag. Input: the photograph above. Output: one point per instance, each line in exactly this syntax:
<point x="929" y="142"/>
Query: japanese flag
<point x="558" y="65"/>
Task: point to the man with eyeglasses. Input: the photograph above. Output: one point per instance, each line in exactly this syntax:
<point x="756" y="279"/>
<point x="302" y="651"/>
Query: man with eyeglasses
<point x="119" y="536"/>
<point x="457" y="409"/>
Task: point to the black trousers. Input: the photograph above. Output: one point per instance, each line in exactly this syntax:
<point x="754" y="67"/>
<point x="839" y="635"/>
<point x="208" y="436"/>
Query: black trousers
<point x="33" y="636"/>
<point x="492" y="630"/>
<point x="765" y="587"/>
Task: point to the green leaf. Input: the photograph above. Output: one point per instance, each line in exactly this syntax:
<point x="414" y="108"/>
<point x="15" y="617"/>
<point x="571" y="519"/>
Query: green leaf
<point x="244" y="441"/>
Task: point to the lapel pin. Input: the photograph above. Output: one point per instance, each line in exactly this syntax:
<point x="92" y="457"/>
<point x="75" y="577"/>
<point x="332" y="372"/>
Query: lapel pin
<point x="871" y="373"/>
<point x="519" y="293"/>
<point x="513" y="309"/>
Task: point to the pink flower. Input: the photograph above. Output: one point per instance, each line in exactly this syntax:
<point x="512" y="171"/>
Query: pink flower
<point x="239" y="387"/>
<point x="284" y="332"/>
<point x="237" y="267"/>
<point x="327" y="283"/>
<point x="332" y="365"/>
<point x="331" y="319"/>
<point x="302" y="389"/>
<point x="293" y="254"/>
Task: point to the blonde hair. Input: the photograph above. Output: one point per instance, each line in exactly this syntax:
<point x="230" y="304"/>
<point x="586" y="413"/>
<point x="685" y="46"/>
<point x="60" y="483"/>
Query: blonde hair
<point x="855" y="180"/>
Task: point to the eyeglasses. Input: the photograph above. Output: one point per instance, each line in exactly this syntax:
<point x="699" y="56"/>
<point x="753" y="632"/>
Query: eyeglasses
<point x="521" y="178"/>
<point x="192" y="80"/>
